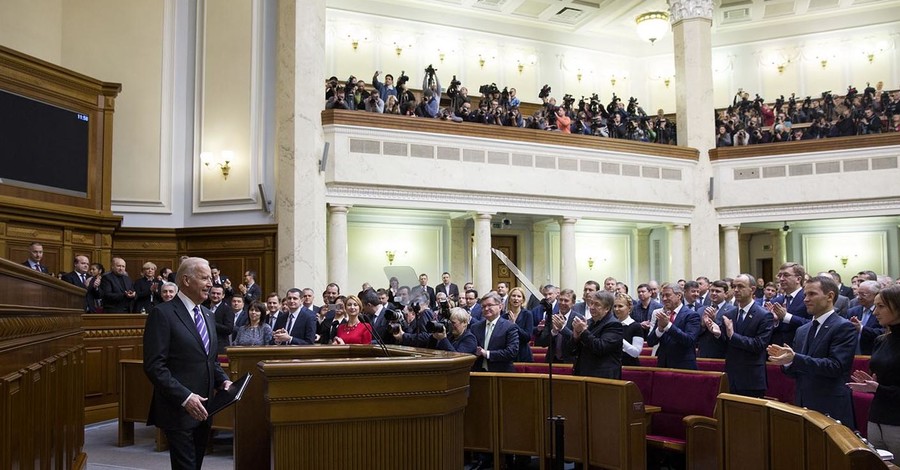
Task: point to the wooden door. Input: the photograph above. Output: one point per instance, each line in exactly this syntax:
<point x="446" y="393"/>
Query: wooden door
<point x="499" y="271"/>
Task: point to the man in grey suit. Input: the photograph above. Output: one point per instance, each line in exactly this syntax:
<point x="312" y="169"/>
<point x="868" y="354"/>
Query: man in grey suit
<point x="498" y="338"/>
<point x="180" y="361"/>
<point x="558" y="329"/>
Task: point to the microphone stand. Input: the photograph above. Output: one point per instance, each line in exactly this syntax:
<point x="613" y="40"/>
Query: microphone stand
<point x="557" y="423"/>
<point x="375" y="334"/>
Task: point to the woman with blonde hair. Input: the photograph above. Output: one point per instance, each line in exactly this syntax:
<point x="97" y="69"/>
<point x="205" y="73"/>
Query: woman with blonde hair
<point x="524" y="320"/>
<point x="353" y="331"/>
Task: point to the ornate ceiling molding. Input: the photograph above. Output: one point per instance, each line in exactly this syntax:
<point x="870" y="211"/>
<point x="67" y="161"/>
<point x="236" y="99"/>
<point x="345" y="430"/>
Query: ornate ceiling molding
<point x="819" y="210"/>
<point x="690" y="9"/>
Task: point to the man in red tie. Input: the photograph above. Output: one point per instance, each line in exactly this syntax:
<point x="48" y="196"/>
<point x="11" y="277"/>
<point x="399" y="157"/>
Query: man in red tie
<point x="676" y="330"/>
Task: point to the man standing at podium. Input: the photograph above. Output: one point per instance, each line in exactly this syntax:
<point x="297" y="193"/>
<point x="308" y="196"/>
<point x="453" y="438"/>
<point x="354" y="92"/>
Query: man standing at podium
<point x="180" y="361"/>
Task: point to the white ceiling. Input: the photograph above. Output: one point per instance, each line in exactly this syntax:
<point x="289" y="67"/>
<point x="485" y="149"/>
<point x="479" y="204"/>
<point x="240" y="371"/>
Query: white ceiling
<point x="609" y="24"/>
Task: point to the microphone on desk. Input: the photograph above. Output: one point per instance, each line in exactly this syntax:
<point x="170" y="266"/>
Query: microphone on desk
<point x="365" y="319"/>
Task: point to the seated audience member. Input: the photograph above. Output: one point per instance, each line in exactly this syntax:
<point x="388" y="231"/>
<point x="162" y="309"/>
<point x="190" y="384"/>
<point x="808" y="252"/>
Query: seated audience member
<point x="257" y="331"/>
<point x="168" y="291"/>
<point x="597" y="342"/>
<point x="353" y="331"/>
<point x="633" y="334"/>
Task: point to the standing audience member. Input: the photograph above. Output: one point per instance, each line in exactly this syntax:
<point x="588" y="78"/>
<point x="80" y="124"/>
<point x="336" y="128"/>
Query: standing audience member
<point x="353" y="331"/>
<point x="93" y="296"/>
<point x="524" y="321"/>
<point x="597" y="342"/>
<point x="35" y="256"/>
<point x="862" y="316"/>
<point x="117" y="289"/>
<point x="676" y="330"/>
<point x="146" y="289"/>
<point x="884" y="415"/>
<point x="498" y="338"/>
<point x="223" y="315"/>
<point x="257" y="332"/>
<point x="633" y="333"/>
<point x="557" y="336"/>
<point x="745" y="332"/>
<point x="822" y="355"/>
<point x="299" y="326"/>
<point x="79" y="275"/>
<point x="250" y="290"/>
<point x="168" y="291"/>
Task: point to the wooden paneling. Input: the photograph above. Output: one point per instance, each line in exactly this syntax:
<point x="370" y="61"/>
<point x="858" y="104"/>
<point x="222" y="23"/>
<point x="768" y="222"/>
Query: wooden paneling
<point x="41" y="371"/>
<point x="108" y="339"/>
<point x="530" y="136"/>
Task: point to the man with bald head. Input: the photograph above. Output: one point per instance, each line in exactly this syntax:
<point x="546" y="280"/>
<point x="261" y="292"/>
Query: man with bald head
<point x="116" y="289"/>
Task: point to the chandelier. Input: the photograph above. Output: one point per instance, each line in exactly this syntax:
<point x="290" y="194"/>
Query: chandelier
<point x="652" y="25"/>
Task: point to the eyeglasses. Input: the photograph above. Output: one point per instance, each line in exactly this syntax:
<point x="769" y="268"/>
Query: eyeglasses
<point x="489" y="305"/>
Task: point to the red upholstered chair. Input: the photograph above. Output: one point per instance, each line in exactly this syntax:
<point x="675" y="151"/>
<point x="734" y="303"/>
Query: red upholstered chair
<point x="680" y="394"/>
<point x="861" y="404"/>
<point x="781" y="387"/>
<point x="715" y="365"/>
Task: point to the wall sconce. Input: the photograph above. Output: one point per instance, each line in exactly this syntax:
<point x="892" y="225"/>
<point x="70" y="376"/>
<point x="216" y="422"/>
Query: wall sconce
<point x="823" y="63"/>
<point x="667" y="81"/>
<point x="390" y="254"/>
<point x="578" y="75"/>
<point x="398" y="50"/>
<point x="223" y="161"/>
<point x="441" y="56"/>
<point x="844" y="259"/>
<point x="871" y="57"/>
<point x="521" y="67"/>
<point x="591" y="263"/>
<point x="480" y="61"/>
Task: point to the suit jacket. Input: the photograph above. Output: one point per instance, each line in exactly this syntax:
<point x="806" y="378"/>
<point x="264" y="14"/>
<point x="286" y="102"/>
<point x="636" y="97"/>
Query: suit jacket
<point x="304" y="329"/>
<point x="112" y="288"/>
<point x="144" y="297"/>
<point x="228" y="291"/>
<point x="43" y="268"/>
<point x="224" y="317"/>
<point x="676" y="346"/>
<point x="581" y="309"/>
<point x="74" y="279"/>
<point x="745" y="353"/>
<point x="841" y="305"/>
<point x="784" y="331"/>
<point x="563" y="344"/>
<point x="598" y="350"/>
<point x="640" y="314"/>
<point x="177" y="364"/>
<point x="708" y="344"/>
<point x="822" y="368"/>
<point x="253" y="294"/>
<point x="476" y="313"/>
<point x="432" y="301"/>
<point x="452" y="291"/>
<point x="503" y="347"/>
<point x="846" y="291"/>
<point x="525" y="327"/>
<point x="538" y="314"/>
<point x="869" y="332"/>
<point x="323" y="328"/>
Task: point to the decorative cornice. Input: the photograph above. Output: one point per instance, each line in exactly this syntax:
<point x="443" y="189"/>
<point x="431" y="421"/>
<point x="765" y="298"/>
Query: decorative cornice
<point x="114" y="333"/>
<point x="15" y="326"/>
<point x="689" y="9"/>
<point x="484" y="202"/>
<point x="808" y="210"/>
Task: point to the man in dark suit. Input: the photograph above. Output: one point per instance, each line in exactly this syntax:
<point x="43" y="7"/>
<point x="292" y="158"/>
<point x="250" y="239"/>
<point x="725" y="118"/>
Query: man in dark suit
<point x="822" y="355"/>
<point x="644" y="306"/>
<point x="846" y="291"/>
<point x="180" y="361"/>
<point x="745" y="332"/>
<point x="710" y="344"/>
<point x="789" y="309"/>
<point x="79" y="275"/>
<point x="863" y="317"/>
<point x="471" y="304"/>
<point x="589" y="288"/>
<point x="597" y="343"/>
<point x="498" y="338"/>
<point x="35" y="255"/>
<point x="424" y="289"/>
<point x="551" y="295"/>
<point x="675" y="329"/>
<point x="250" y="290"/>
<point x="219" y="279"/>
<point x="558" y="329"/>
<point x="298" y="326"/>
<point x="117" y="289"/>
<point x="224" y="317"/>
<point x="447" y="287"/>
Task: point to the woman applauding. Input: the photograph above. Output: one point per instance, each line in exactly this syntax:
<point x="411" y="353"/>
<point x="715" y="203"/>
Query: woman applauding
<point x="352" y="331"/>
<point x="884" y="415"/>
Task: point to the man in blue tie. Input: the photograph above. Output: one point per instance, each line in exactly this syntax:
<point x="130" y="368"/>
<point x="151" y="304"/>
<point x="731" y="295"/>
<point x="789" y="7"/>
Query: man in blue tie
<point x="862" y="317"/>
<point x="822" y="354"/>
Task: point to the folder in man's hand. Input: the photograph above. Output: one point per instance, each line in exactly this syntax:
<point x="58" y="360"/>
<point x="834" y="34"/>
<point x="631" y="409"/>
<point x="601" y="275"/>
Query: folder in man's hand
<point x="225" y="398"/>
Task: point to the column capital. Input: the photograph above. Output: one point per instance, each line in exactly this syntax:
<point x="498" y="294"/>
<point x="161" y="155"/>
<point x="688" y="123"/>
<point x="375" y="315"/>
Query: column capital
<point x="680" y="10"/>
<point x="332" y="208"/>
<point x="677" y="227"/>
<point x="731" y="227"/>
<point x="567" y="220"/>
<point x="483" y="215"/>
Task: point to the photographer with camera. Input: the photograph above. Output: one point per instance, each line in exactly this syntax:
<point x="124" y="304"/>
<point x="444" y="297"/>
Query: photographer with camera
<point x="870" y="123"/>
<point x="563" y="122"/>
<point x="374" y="103"/>
<point x="337" y="99"/>
<point x="456" y="338"/>
<point x="431" y="93"/>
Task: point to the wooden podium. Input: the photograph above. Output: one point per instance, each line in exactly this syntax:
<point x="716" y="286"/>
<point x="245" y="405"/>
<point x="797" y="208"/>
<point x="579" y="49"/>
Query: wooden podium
<point x="350" y="407"/>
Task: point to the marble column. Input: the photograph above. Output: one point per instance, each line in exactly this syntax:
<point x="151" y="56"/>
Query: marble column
<point x="732" y="251"/>
<point x="337" y="244"/>
<point x="676" y="252"/>
<point x="642" y="257"/>
<point x="484" y="280"/>
<point x="746" y="264"/>
<point x="300" y="188"/>
<point x="568" y="269"/>
<point x="458" y="252"/>
<point x="540" y="273"/>
<point x="779" y="248"/>
<point x="691" y="31"/>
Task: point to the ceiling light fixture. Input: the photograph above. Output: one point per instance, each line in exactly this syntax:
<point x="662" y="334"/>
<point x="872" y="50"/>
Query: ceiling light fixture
<point x="652" y="25"/>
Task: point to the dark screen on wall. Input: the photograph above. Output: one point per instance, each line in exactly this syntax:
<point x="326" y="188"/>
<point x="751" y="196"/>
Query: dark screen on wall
<point x="42" y="146"/>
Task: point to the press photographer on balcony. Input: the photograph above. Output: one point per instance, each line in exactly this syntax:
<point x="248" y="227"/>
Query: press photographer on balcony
<point x="431" y="94"/>
<point x="387" y="88"/>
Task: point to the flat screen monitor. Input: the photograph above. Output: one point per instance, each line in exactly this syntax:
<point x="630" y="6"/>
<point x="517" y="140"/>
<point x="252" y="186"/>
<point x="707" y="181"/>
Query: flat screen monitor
<point x="43" y="146"/>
